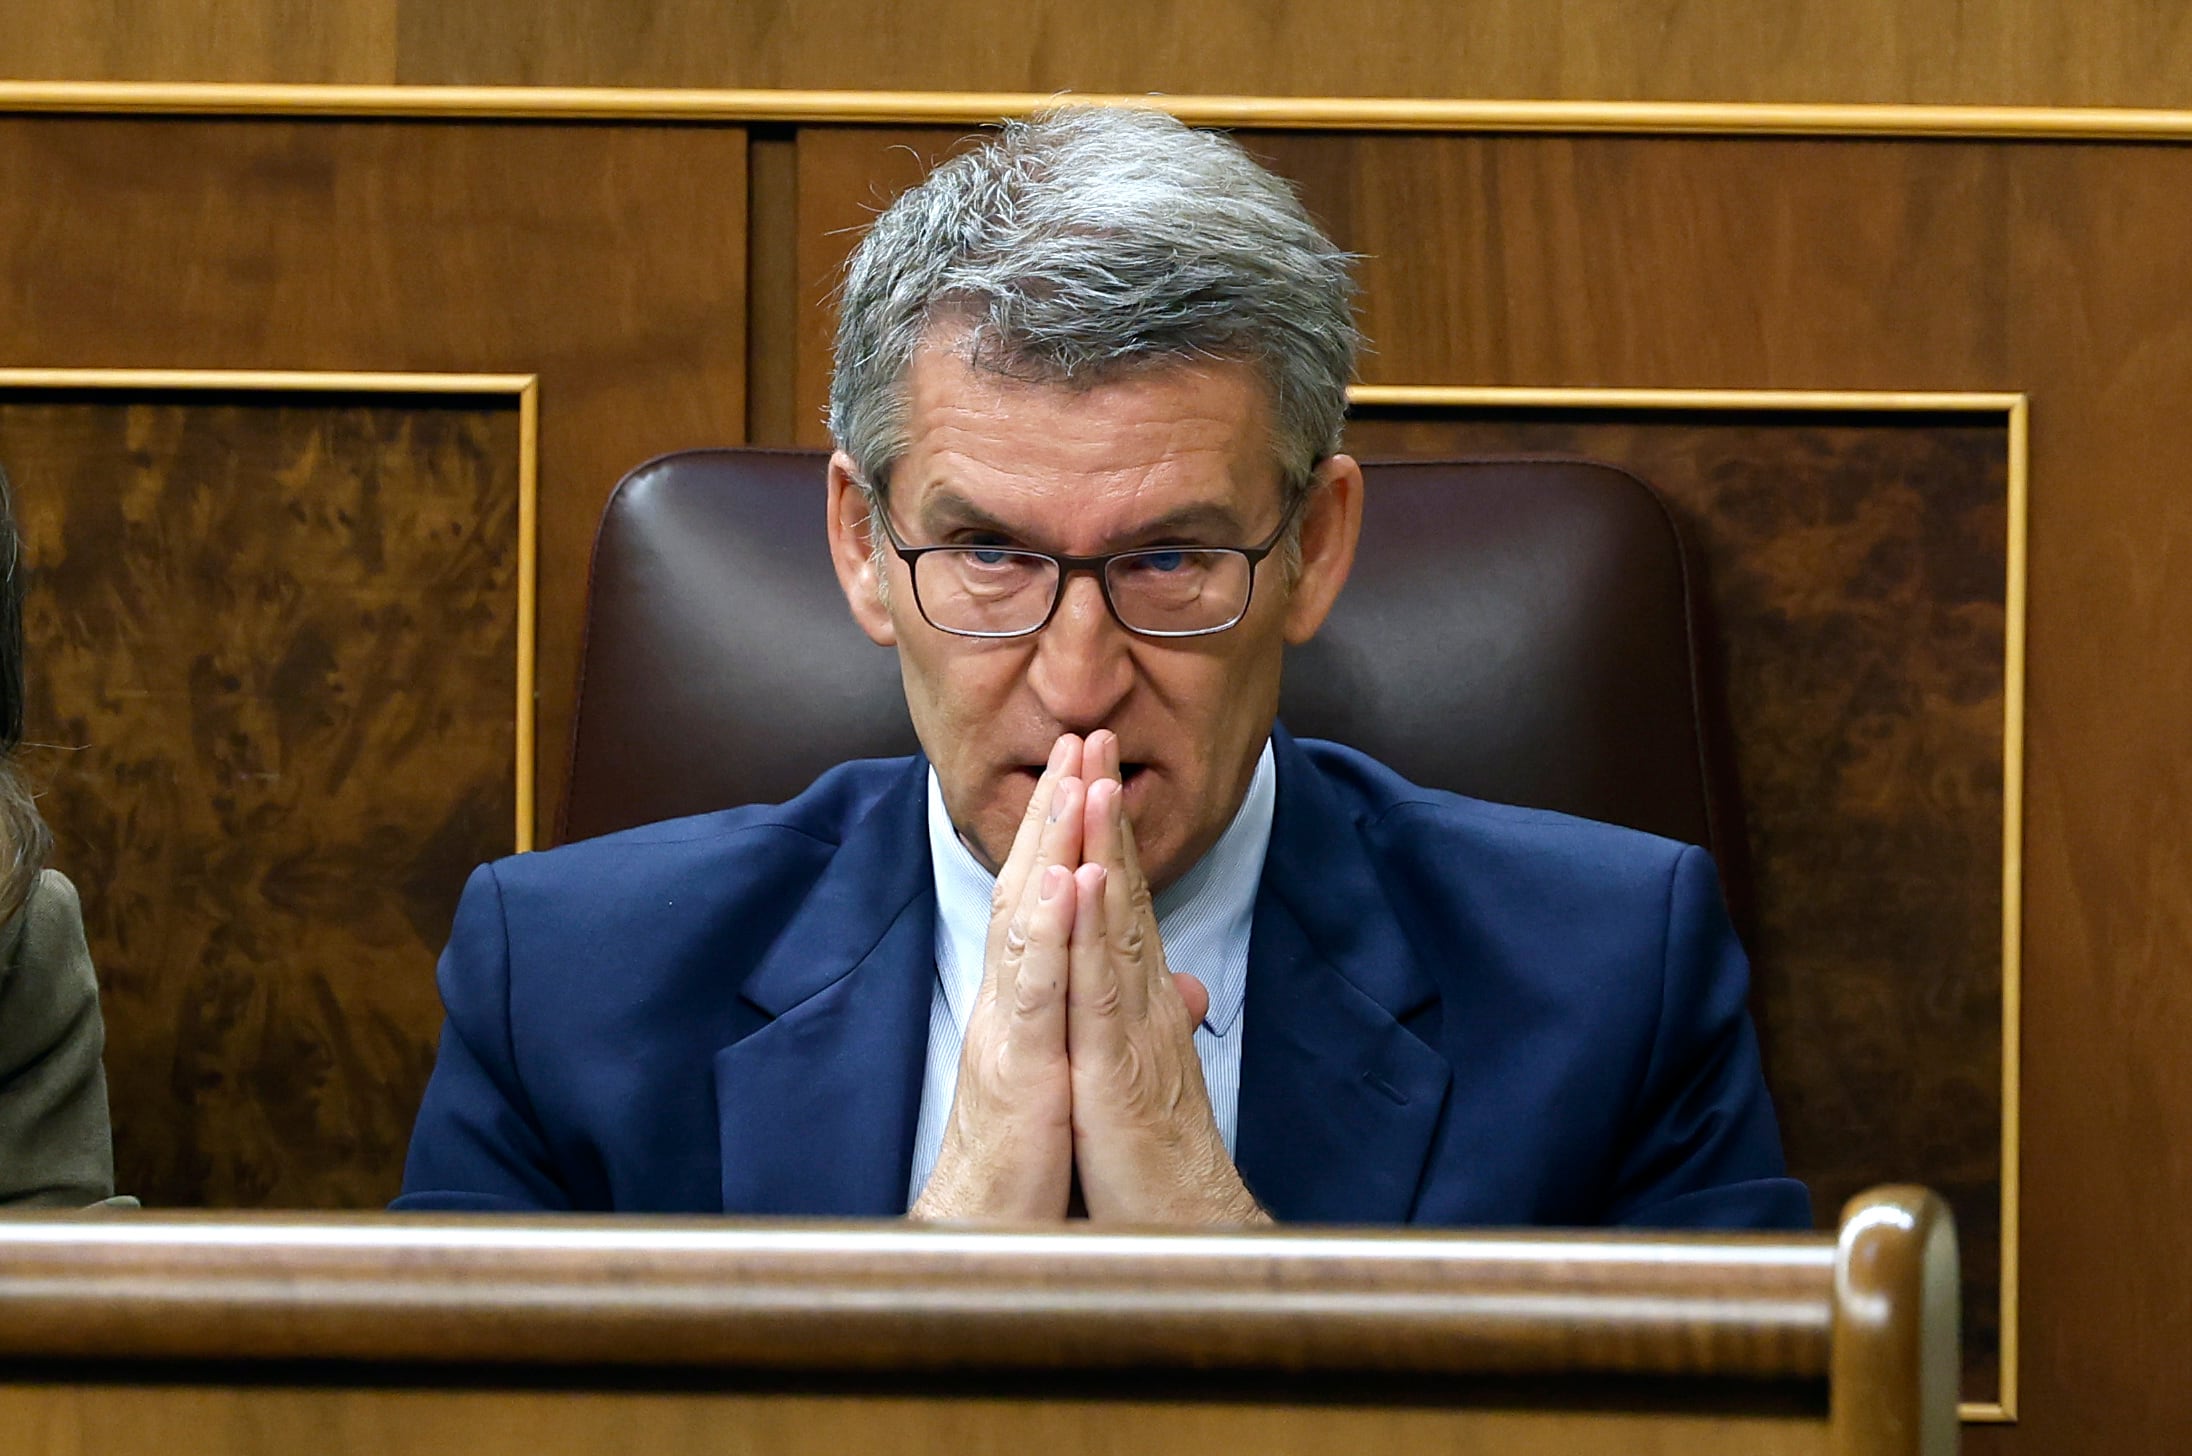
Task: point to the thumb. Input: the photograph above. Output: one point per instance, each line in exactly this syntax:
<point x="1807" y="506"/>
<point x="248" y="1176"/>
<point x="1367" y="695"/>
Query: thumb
<point x="1193" y="992"/>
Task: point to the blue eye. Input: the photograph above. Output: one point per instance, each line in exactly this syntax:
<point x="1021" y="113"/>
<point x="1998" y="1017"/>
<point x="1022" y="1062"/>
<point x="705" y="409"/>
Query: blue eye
<point x="1164" y="561"/>
<point x="989" y="555"/>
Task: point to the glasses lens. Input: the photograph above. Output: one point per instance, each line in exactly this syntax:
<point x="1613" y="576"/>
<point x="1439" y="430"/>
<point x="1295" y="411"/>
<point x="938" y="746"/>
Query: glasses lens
<point x="989" y="592"/>
<point x="1179" y="590"/>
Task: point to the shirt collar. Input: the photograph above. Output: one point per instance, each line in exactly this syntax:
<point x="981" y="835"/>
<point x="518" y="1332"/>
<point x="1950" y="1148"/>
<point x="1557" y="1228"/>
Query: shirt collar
<point x="1203" y="918"/>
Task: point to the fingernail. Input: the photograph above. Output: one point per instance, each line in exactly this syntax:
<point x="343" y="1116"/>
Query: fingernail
<point x="1051" y="878"/>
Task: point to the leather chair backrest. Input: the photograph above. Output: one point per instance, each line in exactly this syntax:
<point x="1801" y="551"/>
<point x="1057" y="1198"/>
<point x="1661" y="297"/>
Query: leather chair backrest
<point x="1524" y="630"/>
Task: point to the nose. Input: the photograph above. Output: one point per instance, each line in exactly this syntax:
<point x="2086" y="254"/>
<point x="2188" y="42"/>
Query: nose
<point x="1082" y="668"/>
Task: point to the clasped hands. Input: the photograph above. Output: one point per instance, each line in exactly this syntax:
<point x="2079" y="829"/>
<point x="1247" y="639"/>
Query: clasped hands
<point x="1079" y="1055"/>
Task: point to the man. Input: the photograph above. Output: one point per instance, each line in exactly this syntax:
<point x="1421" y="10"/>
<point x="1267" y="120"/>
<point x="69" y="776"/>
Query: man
<point x="1114" y="941"/>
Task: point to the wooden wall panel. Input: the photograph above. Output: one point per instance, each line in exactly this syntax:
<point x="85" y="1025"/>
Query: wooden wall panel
<point x="1586" y="262"/>
<point x="2056" y="269"/>
<point x="2106" y="53"/>
<point x="844" y="176"/>
<point x="199" y="40"/>
<point x="1489" y="261"/>
<point x="272" y="648"/>
<point x="775" y="302"/>
<point x="2102" y="324"/>
<point x="609" y="260"/>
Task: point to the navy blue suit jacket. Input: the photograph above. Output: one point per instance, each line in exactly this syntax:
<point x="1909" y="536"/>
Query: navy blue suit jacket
<point x="1457" y="1013"/>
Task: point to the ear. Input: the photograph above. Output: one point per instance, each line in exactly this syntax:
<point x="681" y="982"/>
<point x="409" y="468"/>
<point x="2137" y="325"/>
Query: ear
<point x="852" y="553"/>
<point x="1331" y="525"/>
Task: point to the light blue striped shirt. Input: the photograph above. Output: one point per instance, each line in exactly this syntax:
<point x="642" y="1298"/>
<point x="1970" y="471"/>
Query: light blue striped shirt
<point x="1203" y="920"/>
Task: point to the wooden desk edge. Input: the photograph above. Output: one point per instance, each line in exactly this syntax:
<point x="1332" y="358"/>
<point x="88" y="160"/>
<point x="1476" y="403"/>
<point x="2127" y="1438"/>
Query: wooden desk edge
<point x="1872" y="1312"/>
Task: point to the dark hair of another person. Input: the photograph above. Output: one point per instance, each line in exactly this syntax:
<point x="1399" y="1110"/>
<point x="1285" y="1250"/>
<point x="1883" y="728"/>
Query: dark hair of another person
<point x="24" y="839"/>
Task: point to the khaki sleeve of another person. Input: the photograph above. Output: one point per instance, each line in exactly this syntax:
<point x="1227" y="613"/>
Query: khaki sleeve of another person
<point x="56" y="1149"/>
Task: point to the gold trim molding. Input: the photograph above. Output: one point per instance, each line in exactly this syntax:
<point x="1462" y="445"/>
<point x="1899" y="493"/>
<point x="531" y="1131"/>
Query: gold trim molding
<point x="969" y="108"/>
<point x="523" y="388"/>
<point x="2015" y="412"/>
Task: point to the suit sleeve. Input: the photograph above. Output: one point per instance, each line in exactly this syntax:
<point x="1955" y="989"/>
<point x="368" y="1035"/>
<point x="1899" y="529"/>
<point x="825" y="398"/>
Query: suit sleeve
<point x="55" y="1149"/>
<point x="477" y="1144"/>
<point x="1703" y="1149"/>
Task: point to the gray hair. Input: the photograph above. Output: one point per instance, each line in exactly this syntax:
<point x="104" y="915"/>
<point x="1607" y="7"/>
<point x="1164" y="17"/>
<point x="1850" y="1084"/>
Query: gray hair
<point x="1086" y="243"/>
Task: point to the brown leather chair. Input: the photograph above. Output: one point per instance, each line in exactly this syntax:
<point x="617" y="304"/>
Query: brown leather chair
<point x="1525" y="630"/>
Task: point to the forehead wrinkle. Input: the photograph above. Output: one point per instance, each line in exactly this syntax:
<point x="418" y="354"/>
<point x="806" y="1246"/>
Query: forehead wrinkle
<point x="1087" y="470"/>
<point x="944" y="508"/>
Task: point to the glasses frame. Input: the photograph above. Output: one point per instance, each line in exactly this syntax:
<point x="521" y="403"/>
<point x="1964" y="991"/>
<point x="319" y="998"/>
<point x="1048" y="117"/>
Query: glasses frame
<point x="1097" y="566"/>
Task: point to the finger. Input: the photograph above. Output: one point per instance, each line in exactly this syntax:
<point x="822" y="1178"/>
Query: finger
<point x="1058" y="845"/>
<point x="1061" y="843"/>
<point x="1012" y="875"/>
<point x="1100" y="756"/>
<point x="1099" y="823"/>
<point x="1037" y="960"/>
<point x="1136" y="900"/>
<point x="1128" y="854"/>
<point x="1194" y="994"/>
<point x="1095" y="1025"/>
<point x="1032" y="818"/>
<point x="1130" y="920"/>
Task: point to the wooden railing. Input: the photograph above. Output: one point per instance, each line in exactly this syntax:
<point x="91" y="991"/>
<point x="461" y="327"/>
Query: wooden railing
<point x="337" y="1334"/>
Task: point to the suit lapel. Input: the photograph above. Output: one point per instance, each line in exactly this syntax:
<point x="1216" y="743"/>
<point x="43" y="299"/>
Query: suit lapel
<point x="817" y="1107"/>
<point x="1339" y="1099"/>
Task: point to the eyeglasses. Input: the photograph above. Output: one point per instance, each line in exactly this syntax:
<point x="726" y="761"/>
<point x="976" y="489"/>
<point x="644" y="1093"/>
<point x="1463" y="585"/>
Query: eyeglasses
<point x="1153" y="591"/>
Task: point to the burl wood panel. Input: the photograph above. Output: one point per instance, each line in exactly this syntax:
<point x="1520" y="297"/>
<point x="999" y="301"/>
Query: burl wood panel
<point x="2105" y="53"/>
<point x="272" y="656"/>
<point x="610" y="260"/>
<point x="1855" y="568"/>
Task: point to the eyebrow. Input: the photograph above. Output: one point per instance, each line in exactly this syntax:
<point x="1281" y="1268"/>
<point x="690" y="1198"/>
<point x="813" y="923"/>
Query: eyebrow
<point x="946" y="510"/>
